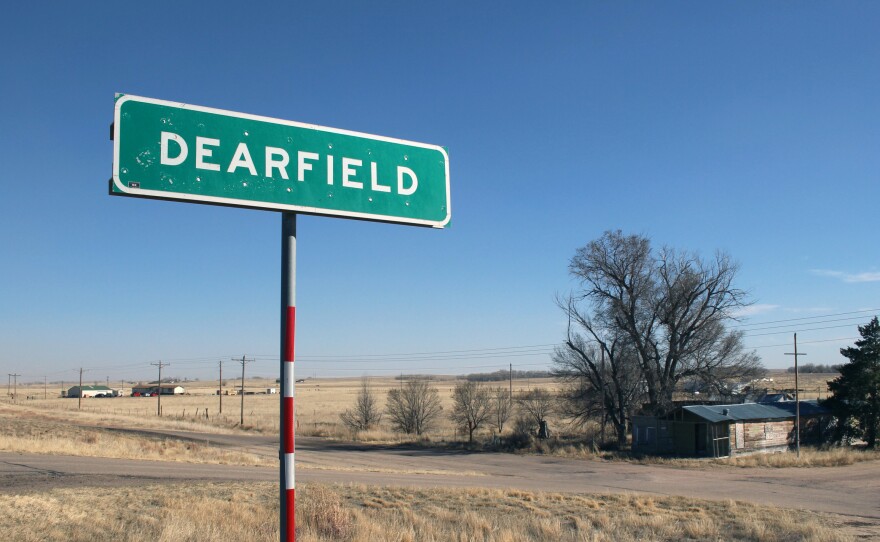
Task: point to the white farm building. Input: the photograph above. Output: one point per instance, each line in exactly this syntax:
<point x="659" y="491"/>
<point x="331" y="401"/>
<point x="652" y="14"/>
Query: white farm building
<point x="91" y="391"/>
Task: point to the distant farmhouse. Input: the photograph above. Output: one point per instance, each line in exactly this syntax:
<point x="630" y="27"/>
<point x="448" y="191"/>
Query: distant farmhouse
<point x="92" y="391"/>
<point x="166" y="389"/>
<point x="726" y="430"/>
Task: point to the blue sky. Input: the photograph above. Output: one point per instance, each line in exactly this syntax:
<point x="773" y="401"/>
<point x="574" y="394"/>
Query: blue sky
<point x="747" y="127"/>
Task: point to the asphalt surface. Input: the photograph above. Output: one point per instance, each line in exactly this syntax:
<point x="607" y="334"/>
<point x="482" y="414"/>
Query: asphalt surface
<point x="852" y="491"/>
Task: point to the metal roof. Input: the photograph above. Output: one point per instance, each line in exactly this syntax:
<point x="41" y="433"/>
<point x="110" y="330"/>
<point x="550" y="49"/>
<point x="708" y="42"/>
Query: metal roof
<point x="92" y="388"/>
<point x="754" y="411"/>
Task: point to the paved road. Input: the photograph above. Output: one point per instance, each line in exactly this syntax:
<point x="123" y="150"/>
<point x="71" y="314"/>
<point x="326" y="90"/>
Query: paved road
<point x="850" y="491"/>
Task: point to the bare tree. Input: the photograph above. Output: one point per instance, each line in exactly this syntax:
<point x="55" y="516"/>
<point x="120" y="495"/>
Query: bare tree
<point x="534" y="408"/>
<point x="365" y="413"/>
<point x="471" y="406"/>
<point x="671" y="307"/>
<point x="501" y="408"/>
<point x="601" y="377"/>
<point x="414" y="407"/>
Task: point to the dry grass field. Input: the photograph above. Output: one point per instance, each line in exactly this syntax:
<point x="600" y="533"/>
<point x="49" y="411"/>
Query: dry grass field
<point x="248" y="511"/>
<point x="319" y="402"/>
<point x="811" y="385"/>
<point x="29" y="432"/>
<point x="27" y="429"/>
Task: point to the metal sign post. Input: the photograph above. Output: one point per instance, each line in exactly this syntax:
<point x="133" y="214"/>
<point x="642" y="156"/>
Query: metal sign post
<point x="181" y="152"/>
<point x="288" y="384"/>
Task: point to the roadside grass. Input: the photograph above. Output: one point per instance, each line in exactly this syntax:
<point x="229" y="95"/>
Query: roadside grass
<point x="810" y="456"/>
<point x="248" y="511"/>
<point x="31" y="435"/>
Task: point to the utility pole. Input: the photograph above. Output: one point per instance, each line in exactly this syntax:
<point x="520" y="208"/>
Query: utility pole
<point x="244" y="361"/>
<point x="220" y="386"/>
<point x="8" y="384"/>
<point x="159" y="388"/>
<point x="79" y="403"/>
<point x="510" y="379"/>
<point x="14" y="386"/>
<point x="797" y="398"/>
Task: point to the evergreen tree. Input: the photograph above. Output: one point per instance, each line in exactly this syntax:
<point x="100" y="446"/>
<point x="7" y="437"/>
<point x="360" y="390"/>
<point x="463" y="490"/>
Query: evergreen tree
<point x="856" y="399"/>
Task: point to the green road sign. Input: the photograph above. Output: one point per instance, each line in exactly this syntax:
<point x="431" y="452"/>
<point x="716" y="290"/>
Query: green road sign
<point x="188" y="153"/>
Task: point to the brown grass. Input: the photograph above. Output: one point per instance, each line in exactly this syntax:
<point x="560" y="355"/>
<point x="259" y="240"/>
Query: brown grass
<point x="20" y="432"/>
<point x="319" y="404"/>
<point x="242" y="511"/>
<point x="809" y="457"/>
<point x="811" y="385"/>
<point x="219" y="512"/>
<point x="320" y="401"/>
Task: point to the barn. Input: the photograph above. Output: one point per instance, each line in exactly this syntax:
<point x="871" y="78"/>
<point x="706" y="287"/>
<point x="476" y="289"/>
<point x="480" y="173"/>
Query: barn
<point x="726" y="430"/>
<point x="91" y="391"/>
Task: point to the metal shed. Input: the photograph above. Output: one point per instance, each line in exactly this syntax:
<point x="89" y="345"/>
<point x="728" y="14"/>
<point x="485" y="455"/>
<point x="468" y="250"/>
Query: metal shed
<point x="91" y="391"/>
<point x="723" y="430"/>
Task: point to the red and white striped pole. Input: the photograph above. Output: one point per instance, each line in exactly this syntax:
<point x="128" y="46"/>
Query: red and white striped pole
<point x="288" y="332"/>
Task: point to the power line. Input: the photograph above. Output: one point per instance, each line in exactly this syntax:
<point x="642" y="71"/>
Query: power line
<point x="807" y="318"/>
<point x="789" y="331"/>
<point x="538" y="349"/>
<point x="500" y="367"/>
<point x="435" y="358"/>
<point x="854" y="319"/>
<point x="533" y="346"/>
<point x="532" y="350"/>
<point x="807" y="342"/>
<point x="498" y="351"/>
